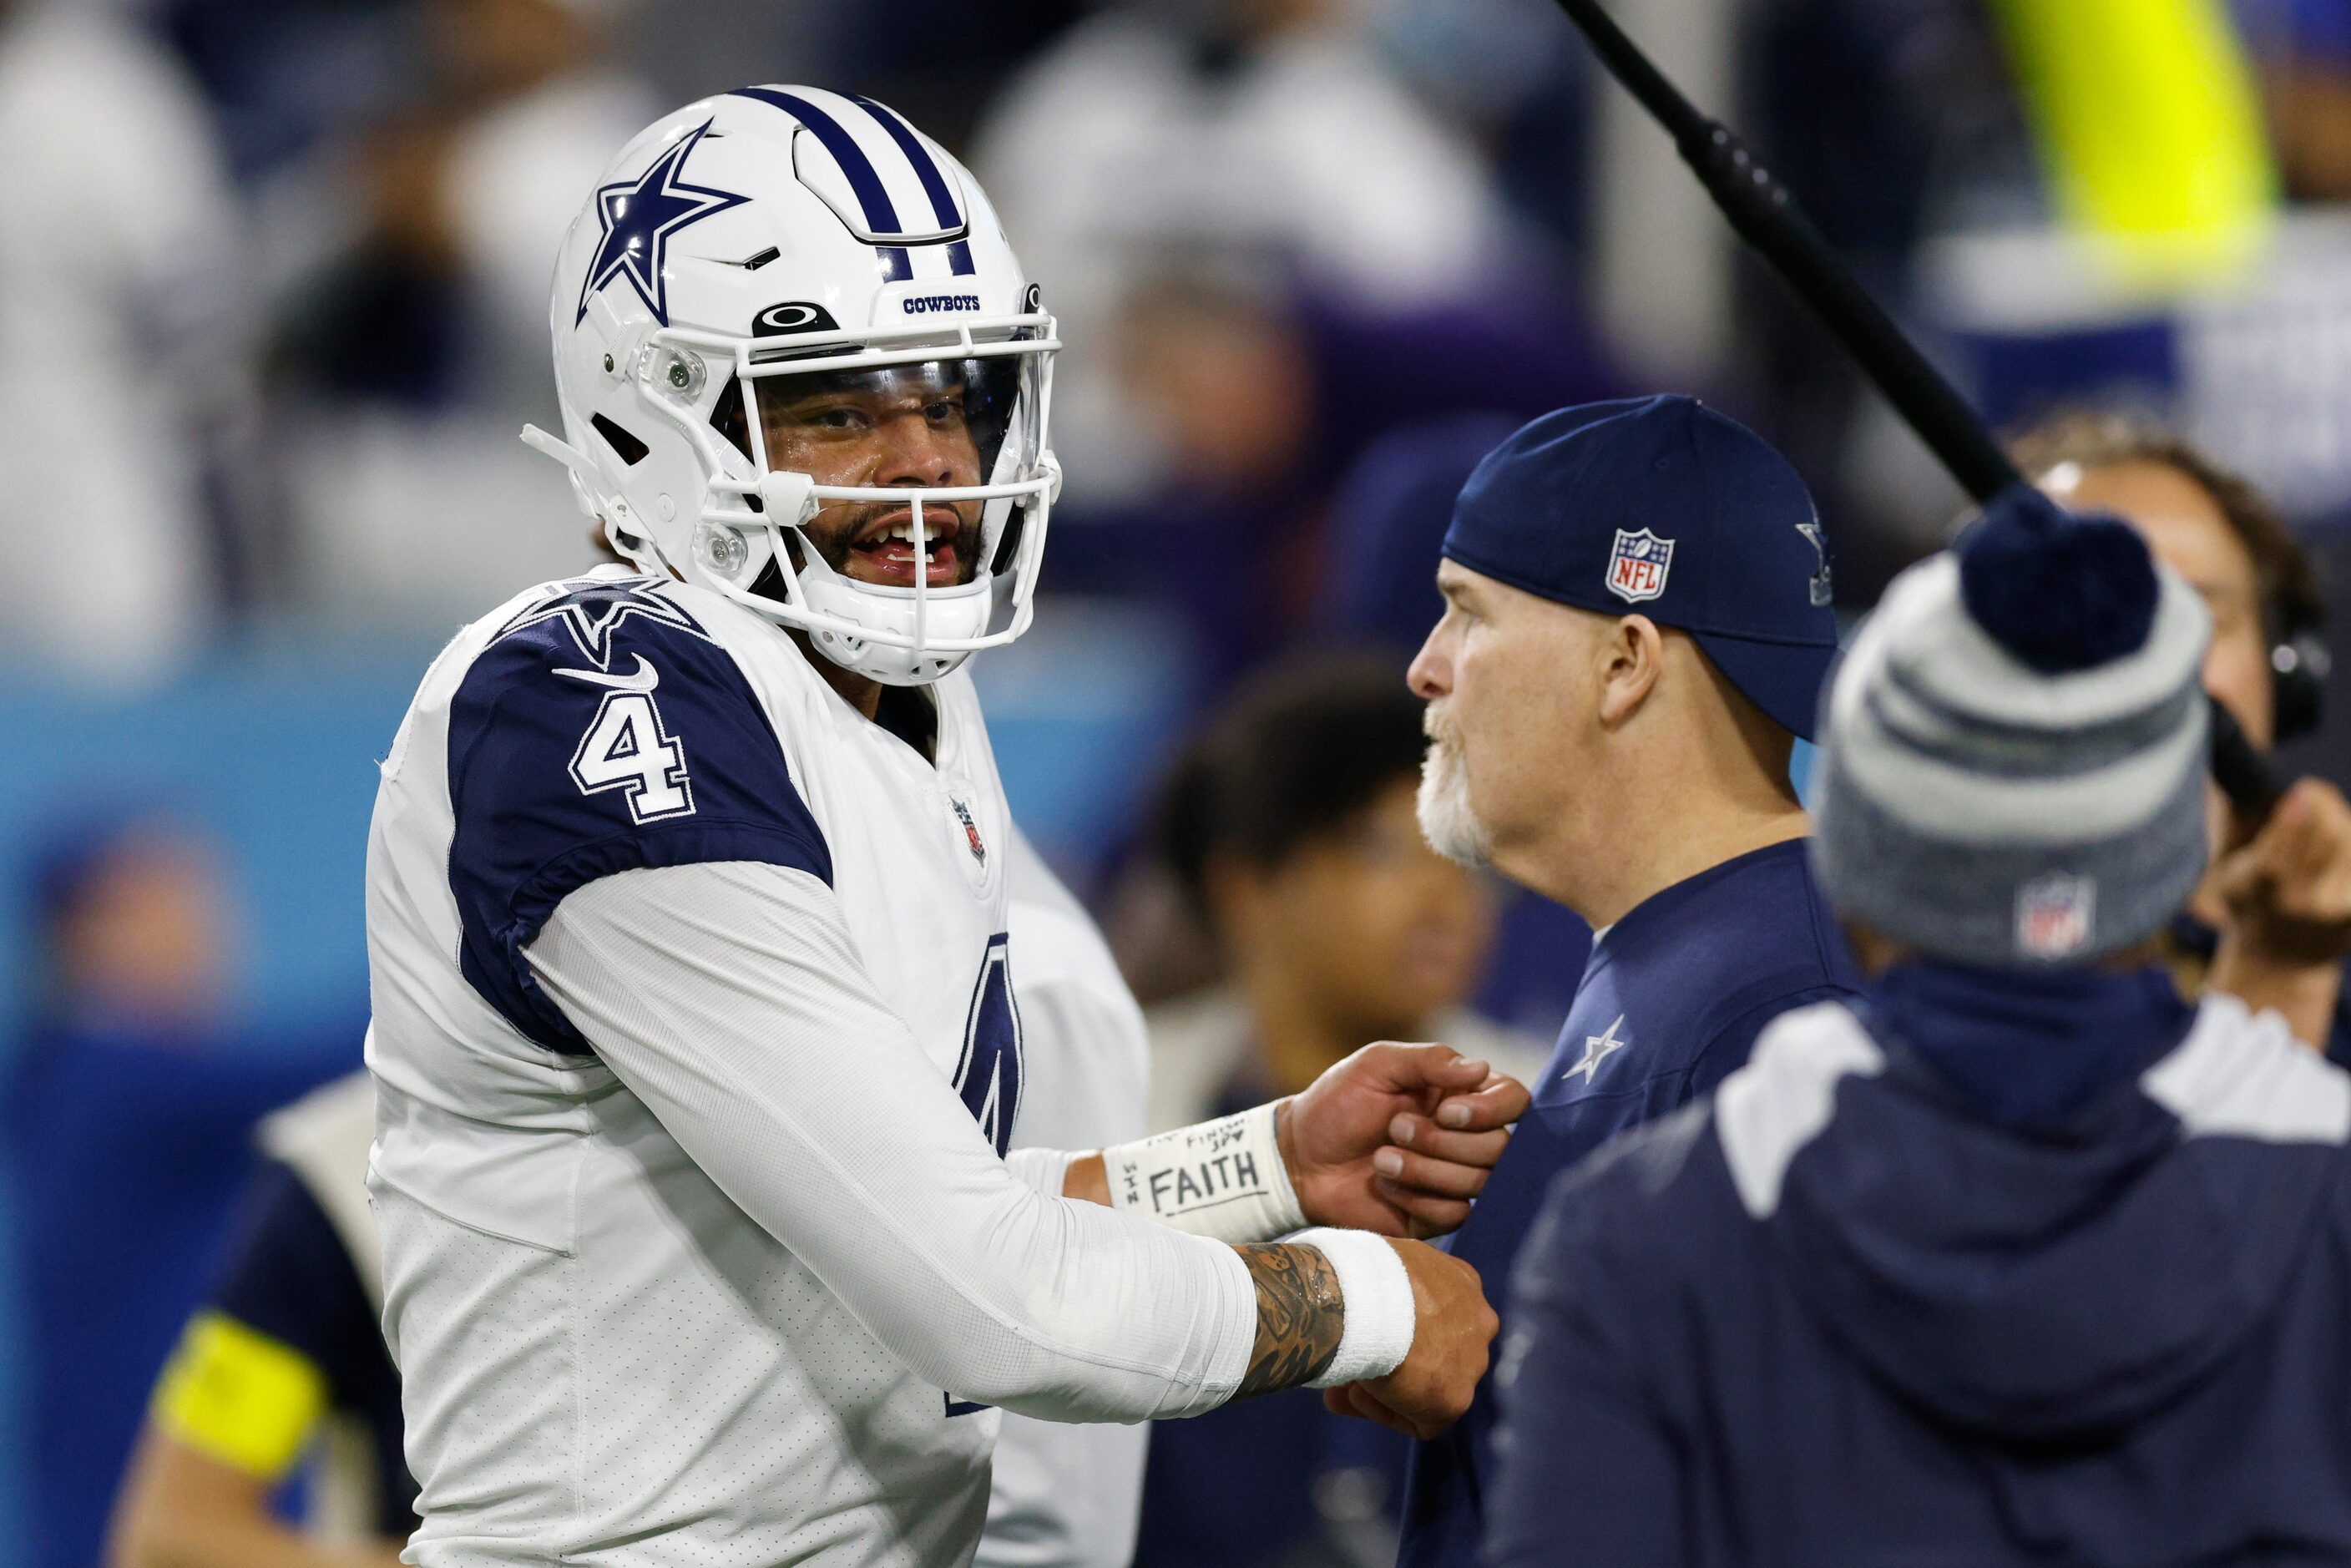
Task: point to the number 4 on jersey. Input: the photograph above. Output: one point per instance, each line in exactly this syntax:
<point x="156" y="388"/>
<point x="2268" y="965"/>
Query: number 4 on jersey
<point x="626" y="749"/>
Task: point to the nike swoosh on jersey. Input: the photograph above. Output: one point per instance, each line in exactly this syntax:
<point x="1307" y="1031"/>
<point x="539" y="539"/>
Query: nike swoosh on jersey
<point x="644" y="679"/>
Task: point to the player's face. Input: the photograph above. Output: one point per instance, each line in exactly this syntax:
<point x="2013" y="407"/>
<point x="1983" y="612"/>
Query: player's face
<point x="895" y="427"/>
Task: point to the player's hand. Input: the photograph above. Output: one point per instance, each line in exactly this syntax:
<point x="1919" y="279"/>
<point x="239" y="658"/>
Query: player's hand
<point x="2289" y="889"/>
<point x="1453" y="1330"/>
<point x="1397" y="1139"/>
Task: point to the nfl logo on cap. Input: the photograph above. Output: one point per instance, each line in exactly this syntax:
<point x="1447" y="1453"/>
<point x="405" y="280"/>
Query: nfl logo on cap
<point x="2052" y="916"/>
<point x="1637" y="566"/>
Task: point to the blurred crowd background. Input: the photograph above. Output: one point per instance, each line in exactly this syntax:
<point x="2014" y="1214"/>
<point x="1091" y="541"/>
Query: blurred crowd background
<point x="273" y="307"/>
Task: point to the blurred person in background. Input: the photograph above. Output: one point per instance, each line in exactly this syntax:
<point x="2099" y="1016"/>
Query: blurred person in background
<point x="1637" y="622"/>
<point x="1289" y="828"/>
<point x="127" y="1118"/>
<point x="1264" y="396"/>
<point x="1214" y="359"/>
<point x="284" y="1362"/>
<point x="2263" y="663"/>
<point x="2016" y="1257"/>
<point x="1270" y="128"/>
<point x="117" y="341"/>
<point x="418" y="349"/>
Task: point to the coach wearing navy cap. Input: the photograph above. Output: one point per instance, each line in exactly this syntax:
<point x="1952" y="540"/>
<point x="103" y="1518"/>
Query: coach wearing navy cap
<point x="1637" y="626"/>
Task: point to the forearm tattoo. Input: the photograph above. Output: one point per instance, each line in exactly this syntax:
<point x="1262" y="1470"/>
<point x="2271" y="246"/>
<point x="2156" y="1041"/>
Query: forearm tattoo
<point x="1299" y="1317"/>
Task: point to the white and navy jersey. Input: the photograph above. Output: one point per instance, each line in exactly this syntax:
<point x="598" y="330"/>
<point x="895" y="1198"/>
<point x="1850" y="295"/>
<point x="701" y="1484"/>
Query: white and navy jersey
<point x="697" y="1057"/>
<point x="614" y="723"/>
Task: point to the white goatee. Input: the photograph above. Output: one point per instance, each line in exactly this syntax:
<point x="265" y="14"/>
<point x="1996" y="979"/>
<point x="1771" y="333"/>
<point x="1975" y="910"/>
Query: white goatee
<point x="1447" y="818"/>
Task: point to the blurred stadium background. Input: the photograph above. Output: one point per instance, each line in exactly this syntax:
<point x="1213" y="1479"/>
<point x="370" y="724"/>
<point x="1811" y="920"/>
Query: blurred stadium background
<point x="272" y="309"/>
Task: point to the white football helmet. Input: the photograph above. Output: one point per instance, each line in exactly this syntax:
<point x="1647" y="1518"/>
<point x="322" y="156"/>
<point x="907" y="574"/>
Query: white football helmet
<point x="769" y="248"/>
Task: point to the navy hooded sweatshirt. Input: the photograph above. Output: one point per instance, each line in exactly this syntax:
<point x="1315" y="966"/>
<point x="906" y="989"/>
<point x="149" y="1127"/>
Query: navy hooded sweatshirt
<point x="1980" y="1269"/>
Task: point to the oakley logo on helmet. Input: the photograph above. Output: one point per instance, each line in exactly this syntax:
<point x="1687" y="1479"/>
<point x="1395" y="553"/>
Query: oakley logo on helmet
<point x="926" y="304"/>
<point x="793" y="316"/>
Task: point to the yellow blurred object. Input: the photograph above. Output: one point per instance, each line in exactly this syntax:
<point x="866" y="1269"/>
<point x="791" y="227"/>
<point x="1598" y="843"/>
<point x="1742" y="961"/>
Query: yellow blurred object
<point x="239" y="1396"/>
<point x="2152" y="129"/>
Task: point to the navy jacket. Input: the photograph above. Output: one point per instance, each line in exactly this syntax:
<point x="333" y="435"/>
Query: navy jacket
<point x="1672" y="999"/>
<point x="1982" y="1271"/>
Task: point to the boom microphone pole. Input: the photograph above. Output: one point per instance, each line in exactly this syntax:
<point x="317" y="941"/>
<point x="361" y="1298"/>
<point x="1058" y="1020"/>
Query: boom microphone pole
<point x="1766" y="217"/>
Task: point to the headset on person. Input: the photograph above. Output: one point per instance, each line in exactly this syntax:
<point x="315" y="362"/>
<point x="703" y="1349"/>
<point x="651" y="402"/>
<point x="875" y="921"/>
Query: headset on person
<point x="2300" y="662"/>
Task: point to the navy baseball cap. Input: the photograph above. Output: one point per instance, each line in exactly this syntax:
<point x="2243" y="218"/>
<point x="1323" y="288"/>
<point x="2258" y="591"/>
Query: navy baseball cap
<point x="1663" y="506"/>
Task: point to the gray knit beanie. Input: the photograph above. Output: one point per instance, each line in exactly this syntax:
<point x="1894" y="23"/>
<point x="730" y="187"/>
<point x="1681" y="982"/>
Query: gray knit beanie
<point x="2012" y="751"/>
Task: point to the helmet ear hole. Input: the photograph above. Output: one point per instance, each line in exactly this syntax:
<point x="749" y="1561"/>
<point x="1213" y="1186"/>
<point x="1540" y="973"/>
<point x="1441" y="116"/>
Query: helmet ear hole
<point x="625" y="446"/>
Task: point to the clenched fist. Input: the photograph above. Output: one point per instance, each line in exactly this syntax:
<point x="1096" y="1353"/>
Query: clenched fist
<point x="1397" y="1139"/>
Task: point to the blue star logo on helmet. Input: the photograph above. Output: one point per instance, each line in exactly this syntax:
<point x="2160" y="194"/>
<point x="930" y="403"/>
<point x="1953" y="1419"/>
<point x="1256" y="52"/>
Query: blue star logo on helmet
<point x="640" y="216"/>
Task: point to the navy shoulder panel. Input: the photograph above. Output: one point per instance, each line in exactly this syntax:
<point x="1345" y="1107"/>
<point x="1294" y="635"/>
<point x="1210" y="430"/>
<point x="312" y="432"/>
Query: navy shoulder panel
<point x="602" y="730"/>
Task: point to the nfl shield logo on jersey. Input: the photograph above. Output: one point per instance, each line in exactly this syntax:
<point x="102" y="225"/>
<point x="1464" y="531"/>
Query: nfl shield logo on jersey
<point x="970" y="830"/>
<point x="1637" y="566"/>
<point x="2052" y="916"/>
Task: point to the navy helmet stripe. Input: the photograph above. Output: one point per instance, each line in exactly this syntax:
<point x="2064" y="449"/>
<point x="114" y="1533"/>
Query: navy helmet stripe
<point x="896" y="264"/>
<point x="935" y="183"/>
<point x="880" y="215"/>
<point x="926" y="168"/>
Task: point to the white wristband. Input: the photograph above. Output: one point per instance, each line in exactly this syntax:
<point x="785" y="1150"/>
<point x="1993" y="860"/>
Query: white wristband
<point x="1222" y="1178"/>
<point x="1378" y="1295"/>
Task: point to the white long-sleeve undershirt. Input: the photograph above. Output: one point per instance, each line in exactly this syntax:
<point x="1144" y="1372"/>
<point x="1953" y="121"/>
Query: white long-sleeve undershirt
<point x="729" y="997"/>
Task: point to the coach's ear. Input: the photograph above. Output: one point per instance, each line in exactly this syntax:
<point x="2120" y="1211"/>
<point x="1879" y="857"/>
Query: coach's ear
<point x="1631" y="656"/>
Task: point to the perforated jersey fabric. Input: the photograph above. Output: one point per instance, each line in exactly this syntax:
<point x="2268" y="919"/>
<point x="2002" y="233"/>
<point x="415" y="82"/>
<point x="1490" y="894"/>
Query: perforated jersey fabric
<point x="693" y="1082"/>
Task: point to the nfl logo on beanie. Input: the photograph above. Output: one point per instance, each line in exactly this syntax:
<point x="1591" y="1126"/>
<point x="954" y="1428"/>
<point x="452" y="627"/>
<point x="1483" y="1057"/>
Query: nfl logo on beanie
<point x="2053" y="917"/>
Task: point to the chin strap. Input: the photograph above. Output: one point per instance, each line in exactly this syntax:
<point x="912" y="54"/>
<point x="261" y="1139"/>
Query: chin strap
<point x="626" y="544"/>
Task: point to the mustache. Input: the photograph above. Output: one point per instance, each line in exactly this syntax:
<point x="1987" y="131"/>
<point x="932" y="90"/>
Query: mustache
<point x="839" y="527"/>
<point x="1436" y="724"/>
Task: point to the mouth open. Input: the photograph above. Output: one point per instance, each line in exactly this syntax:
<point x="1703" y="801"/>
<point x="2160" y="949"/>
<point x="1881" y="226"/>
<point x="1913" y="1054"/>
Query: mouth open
<point x="885" y="553"/>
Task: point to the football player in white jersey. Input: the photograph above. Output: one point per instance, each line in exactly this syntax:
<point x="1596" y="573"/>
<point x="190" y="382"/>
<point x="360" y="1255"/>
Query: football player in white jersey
<point x="687" y="909"/>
